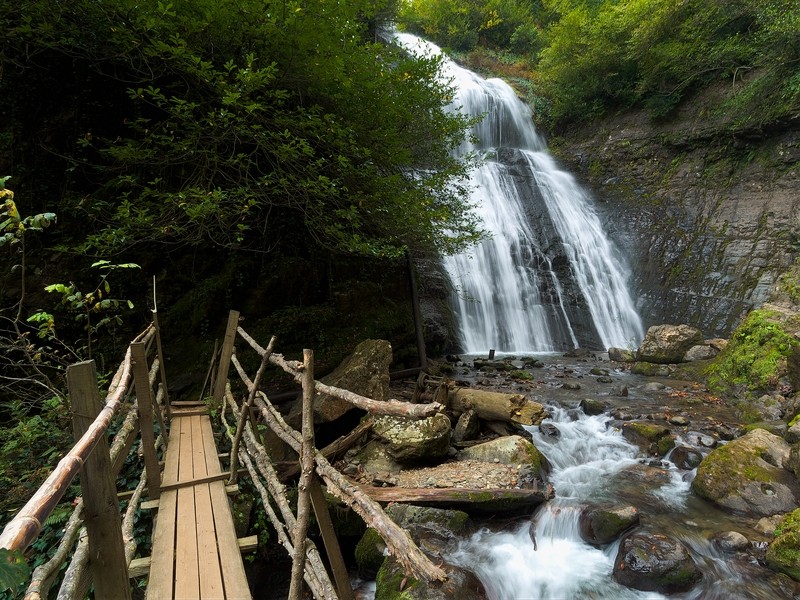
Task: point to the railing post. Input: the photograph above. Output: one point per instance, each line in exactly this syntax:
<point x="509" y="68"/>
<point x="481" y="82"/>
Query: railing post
<point x="144" y="404"/>
<point x="343" y="588"/>
<point x="100" y="504"/>
<point x="306" y="473"/>
<point x="225" y="357"/>
<point x="162" y="369"/>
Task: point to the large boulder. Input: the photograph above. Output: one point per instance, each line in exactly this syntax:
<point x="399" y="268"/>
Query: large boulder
<point x="603" y="524"/>
<point x="509" y="450"/>
<point x="364" y="372"/>
<point x="668" y="343"/>
<point x="621" y="355"/>
<point x="414" y="440"/>
<point x="655" y="563"/>
<point x="747" y="475"/>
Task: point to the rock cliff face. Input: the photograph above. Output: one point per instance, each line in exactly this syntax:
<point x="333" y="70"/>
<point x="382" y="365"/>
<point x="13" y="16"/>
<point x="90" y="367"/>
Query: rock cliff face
<point x="708" y="218"/>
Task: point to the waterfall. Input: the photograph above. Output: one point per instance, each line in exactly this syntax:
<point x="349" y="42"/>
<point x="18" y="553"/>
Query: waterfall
<point x="548" y="278"/>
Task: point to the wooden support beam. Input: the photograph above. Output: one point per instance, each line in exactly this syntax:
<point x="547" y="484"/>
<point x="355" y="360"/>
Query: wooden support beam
<point x="101" y="508"/>
<point x="340" y="574"/>
<point x="230" y="490"/>
<point x="144" y="403"/>
<point x="140" y="567"/>
<point x="225" y="358"/>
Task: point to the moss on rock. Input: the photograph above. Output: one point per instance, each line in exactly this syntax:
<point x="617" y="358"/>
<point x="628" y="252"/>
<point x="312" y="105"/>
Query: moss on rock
<point x="369" y="554"/>
<point x="783" y="553"/>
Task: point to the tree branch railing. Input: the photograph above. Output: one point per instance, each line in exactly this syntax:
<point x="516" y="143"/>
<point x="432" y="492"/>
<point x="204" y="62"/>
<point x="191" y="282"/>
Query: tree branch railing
<point x="313" y="467"/>
<point x="92" y="417"/>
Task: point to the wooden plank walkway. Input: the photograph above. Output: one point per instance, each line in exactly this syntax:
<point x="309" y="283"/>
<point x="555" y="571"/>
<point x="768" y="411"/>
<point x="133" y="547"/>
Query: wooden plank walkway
<point x="195" y="551"/>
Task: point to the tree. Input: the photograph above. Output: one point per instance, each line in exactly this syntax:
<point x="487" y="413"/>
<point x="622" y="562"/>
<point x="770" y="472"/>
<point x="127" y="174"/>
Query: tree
<point x="243" y="124"/>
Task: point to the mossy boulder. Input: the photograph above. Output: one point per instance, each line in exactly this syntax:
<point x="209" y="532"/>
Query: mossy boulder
<point x="649" y="369"/>
<point x="603" y="524"/>
<point x="370" y="554"/>
<point x="510" y="450"/>
<point x="783" y="553"/>
<point x="590" y="406"/>
<point x="391" y="583"/>
<point x="422" y="522"/>
<point x="747" y="476"/>
<point x="621" y="355"/>
<point x="414" y="440"/>
<point x="652" y="438"/>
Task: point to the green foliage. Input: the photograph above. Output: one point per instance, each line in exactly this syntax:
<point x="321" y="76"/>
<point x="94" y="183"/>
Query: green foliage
<point x="12" y="225"/>
<point x="248" y="125"/>
<point x="755" y="358"/>
<point x="86" y="306"/>
<point x="14" y="570"/>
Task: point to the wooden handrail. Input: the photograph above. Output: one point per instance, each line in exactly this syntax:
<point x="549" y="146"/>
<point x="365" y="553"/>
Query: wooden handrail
<point x="23" y="529"/>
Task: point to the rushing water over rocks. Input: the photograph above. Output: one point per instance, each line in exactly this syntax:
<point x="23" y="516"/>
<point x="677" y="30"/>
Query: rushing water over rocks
<point x="548" y="279"/>
<point x="592" y="464"/>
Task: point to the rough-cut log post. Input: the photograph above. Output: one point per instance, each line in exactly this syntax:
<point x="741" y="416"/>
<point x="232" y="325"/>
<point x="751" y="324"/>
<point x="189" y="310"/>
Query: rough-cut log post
<point x="26" y="525"/>
<point x="316" y="576"/>
<point x="396" y="539"/>
<point x="144" y="403"/>
<point x="160" y="355"/>
<point x="306" y="473"/>
<point x="225" y="357"/>
<point x="246" y="408"/>
<point x="101" y="509"/>
<point x="496" y="406"/>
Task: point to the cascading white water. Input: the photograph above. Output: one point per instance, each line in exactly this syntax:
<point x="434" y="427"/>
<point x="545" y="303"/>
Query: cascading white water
<point x="559" y="564"/>
<point x="510" y="294"/>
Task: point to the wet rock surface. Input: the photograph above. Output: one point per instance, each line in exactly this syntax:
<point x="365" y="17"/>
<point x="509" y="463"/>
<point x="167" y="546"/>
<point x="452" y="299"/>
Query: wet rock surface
<point x="655" y="562"/>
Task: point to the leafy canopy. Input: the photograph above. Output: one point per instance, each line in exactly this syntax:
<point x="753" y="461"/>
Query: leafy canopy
<point x="246" y="124"/>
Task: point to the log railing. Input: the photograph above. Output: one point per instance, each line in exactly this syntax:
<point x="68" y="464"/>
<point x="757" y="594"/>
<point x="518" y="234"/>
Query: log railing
<point x="313" y="468"/>
<point x="99" y="466"/>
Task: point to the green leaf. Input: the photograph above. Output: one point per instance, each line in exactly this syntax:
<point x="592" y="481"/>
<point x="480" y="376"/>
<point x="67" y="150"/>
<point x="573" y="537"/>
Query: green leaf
<point x="14" y="571"/>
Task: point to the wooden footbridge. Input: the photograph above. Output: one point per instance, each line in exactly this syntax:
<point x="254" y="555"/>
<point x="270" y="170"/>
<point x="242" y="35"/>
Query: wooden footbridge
<point x="195" y="551"/>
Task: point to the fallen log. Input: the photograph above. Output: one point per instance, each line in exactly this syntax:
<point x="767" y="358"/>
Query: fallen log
<point x="466" y="499"/>
<point x="496" y="406"/>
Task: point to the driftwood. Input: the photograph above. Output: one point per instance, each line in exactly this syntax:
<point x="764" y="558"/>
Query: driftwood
<point x="490" y="499"/>
<point x="496" y="406"/>
<point x="388" y="407"/>
<point x="397" y="540"/>
<point x="27" y="524"/>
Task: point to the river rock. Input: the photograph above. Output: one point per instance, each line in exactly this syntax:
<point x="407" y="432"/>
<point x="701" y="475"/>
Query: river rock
<point x="667" y="344"/>
<point x="700" y="352"/>
<point x="655" y="563"/>
<point x="686" y="457"/>
<point x="747" y="476"/>
<point x="730" y="541"/>
<point x="411" y="440"/>
<point x="621" y="355"/>
<point x="649" y="369"/>
<point x="793" y="462"/>
<point x="467" y="426"/>
<point x="603" y="524"/>
<point x="374" y="459"/>
<point x="793" y="433"/>
<point x="651" y="438"/>
<point x="509" y="450"/>
<point x="591" y="406"/>
<point x="549" y="430"/>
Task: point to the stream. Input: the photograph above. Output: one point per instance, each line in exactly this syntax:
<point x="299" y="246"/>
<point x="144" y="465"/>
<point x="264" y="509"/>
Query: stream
<point x="591" y="462"/>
